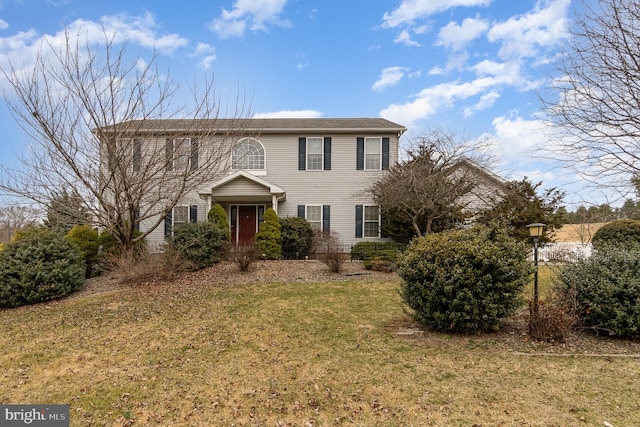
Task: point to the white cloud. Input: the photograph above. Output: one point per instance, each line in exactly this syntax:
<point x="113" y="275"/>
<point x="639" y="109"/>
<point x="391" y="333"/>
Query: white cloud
<point x="3" y="24"/>
<point x="251" y="14"/>
<point x="456" y="37"/>
<point x="22" y="48"/>
<point x="389" y="77"/>
<point x="518" y="138"/>
<point x="405" y="38"/>
<point x="486" y="101"/>
<point x="410" y="10"/>
<point x="433" y="99"/>
<point x="289" y="114"/>
<point x="207" y="55"/>
<point x="520" y="36"/>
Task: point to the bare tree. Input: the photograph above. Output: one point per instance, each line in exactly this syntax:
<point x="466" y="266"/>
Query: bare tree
<point x="85" y="107"/>
<point x="597" y="112"/>
<point x="14" y="218"/>
<point x="438" y="179"/>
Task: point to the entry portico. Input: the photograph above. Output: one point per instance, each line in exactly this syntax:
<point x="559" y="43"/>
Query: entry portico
<point x="244" y="197"/>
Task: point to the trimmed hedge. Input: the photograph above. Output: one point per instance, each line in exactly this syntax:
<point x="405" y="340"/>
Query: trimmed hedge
<point x="378" y="256"/>
<point x="464" y="280"/>
<point x="41" y="265"/>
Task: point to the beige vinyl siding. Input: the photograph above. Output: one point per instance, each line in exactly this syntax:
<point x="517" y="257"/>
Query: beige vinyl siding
<point x="343" y="187"/>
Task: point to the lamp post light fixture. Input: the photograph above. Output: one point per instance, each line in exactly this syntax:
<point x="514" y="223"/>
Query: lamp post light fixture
<point x="535" y="231"/>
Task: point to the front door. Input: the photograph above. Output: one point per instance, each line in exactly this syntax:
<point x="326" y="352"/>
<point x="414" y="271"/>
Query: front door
<point x="247" y="224"/>
<point x="244" y="223"/>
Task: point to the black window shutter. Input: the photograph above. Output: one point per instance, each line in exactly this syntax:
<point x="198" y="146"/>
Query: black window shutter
<point x="326" y="218"/>
<point x="301" y="211"/>
<point x="167" y="224"/>
<point x="327" y="153"/>
<point x="360" y="153"/>
<point x="358" y="221"/>
<point x="169" y="154"/>
<point x="193" y="213"/>
<point x="194" y="154"/>
<point x="385" y="153"/>
<point x="302" y="153"/>
<point x="137" y="154"/>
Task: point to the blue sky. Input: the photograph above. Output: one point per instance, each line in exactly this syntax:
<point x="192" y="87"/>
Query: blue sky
<point x="467" y="66"/>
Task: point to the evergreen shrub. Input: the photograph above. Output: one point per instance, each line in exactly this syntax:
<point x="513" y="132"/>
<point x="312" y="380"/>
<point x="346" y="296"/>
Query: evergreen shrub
<point x="297" y="237"/>
<point x="218" y="216"/>
<point x="87" y="240"/>
<point x="200" y="243"/>
<point x="605" y="289"/>
<point x="464" y="280"/>
<point x="379" y="256"/>
<point x="269" y="236"/>
<point x="39" y="266"/>
<point x="624" y="233"/>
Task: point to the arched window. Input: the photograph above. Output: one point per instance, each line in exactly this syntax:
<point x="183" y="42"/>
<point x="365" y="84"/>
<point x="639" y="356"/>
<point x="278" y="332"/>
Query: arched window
<point x="248" y="153"/>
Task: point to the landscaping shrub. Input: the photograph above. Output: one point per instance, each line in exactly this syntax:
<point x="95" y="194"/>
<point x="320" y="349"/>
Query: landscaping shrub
<point x="378" y="256"/>
<point x="297" y="237"/>
<point x="87" y="240"/>
<point x="218" y="216"/>
<point x="464" y="280"/>
<point x="327" y="246"/>
<point x="201" y="243"/>
<point x="40" y="265"/>
<point x="606" y="290"/>
<point x="243" y="256"/>
<point x="269" y="236"/>
<point x="623" y="233"/>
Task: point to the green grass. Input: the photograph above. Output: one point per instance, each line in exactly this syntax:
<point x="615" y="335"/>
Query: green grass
<point x="289" y="354"/>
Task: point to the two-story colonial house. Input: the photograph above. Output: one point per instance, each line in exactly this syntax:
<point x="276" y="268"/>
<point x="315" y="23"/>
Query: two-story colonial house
<point x="318" y="169"/>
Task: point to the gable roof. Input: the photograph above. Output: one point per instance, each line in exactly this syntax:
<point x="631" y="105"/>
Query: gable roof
<point x="261" y="126"/>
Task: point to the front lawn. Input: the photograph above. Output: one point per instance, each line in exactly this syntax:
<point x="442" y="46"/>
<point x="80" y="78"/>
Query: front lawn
<point x="197" y="353"/>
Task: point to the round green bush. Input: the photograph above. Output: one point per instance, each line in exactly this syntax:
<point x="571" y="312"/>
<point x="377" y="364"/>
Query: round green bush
<point x="39" y="266"/>
<point x="201" y="243"/>
<point x="464" y="280"/>
<point x="297" y="237"/>
<point x="624" y="233"/>
<point x="87" y="240"/>
<point x="605" y="289"/>
<point x="269" y="236"/>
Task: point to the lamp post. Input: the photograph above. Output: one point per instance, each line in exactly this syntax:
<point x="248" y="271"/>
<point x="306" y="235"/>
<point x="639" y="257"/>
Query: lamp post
<point x="535" y="231"/>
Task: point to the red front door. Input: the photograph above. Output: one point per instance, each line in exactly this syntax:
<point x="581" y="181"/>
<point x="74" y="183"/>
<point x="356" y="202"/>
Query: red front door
<point x="247" y="224"/>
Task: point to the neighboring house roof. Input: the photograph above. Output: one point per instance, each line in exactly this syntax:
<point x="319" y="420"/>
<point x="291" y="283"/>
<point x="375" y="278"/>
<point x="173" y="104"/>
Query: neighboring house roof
<point x="262" y="126"/>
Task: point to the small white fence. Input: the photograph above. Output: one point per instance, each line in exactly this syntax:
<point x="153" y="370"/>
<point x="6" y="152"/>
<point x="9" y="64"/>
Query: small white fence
<point x="564" y="251"/>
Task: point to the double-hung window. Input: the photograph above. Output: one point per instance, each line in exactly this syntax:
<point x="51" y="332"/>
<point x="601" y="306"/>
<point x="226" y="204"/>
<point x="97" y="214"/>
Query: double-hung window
<point x="319" y="216"/>
<point x="372" y="153"/>
<point x="182" y="154"/>
<point x="314" y="216"/>
<point x="179" y="215"/>
<point x="371" y="221"/>
<point x="368" y="221"/>
<point x="314" y="153"/>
